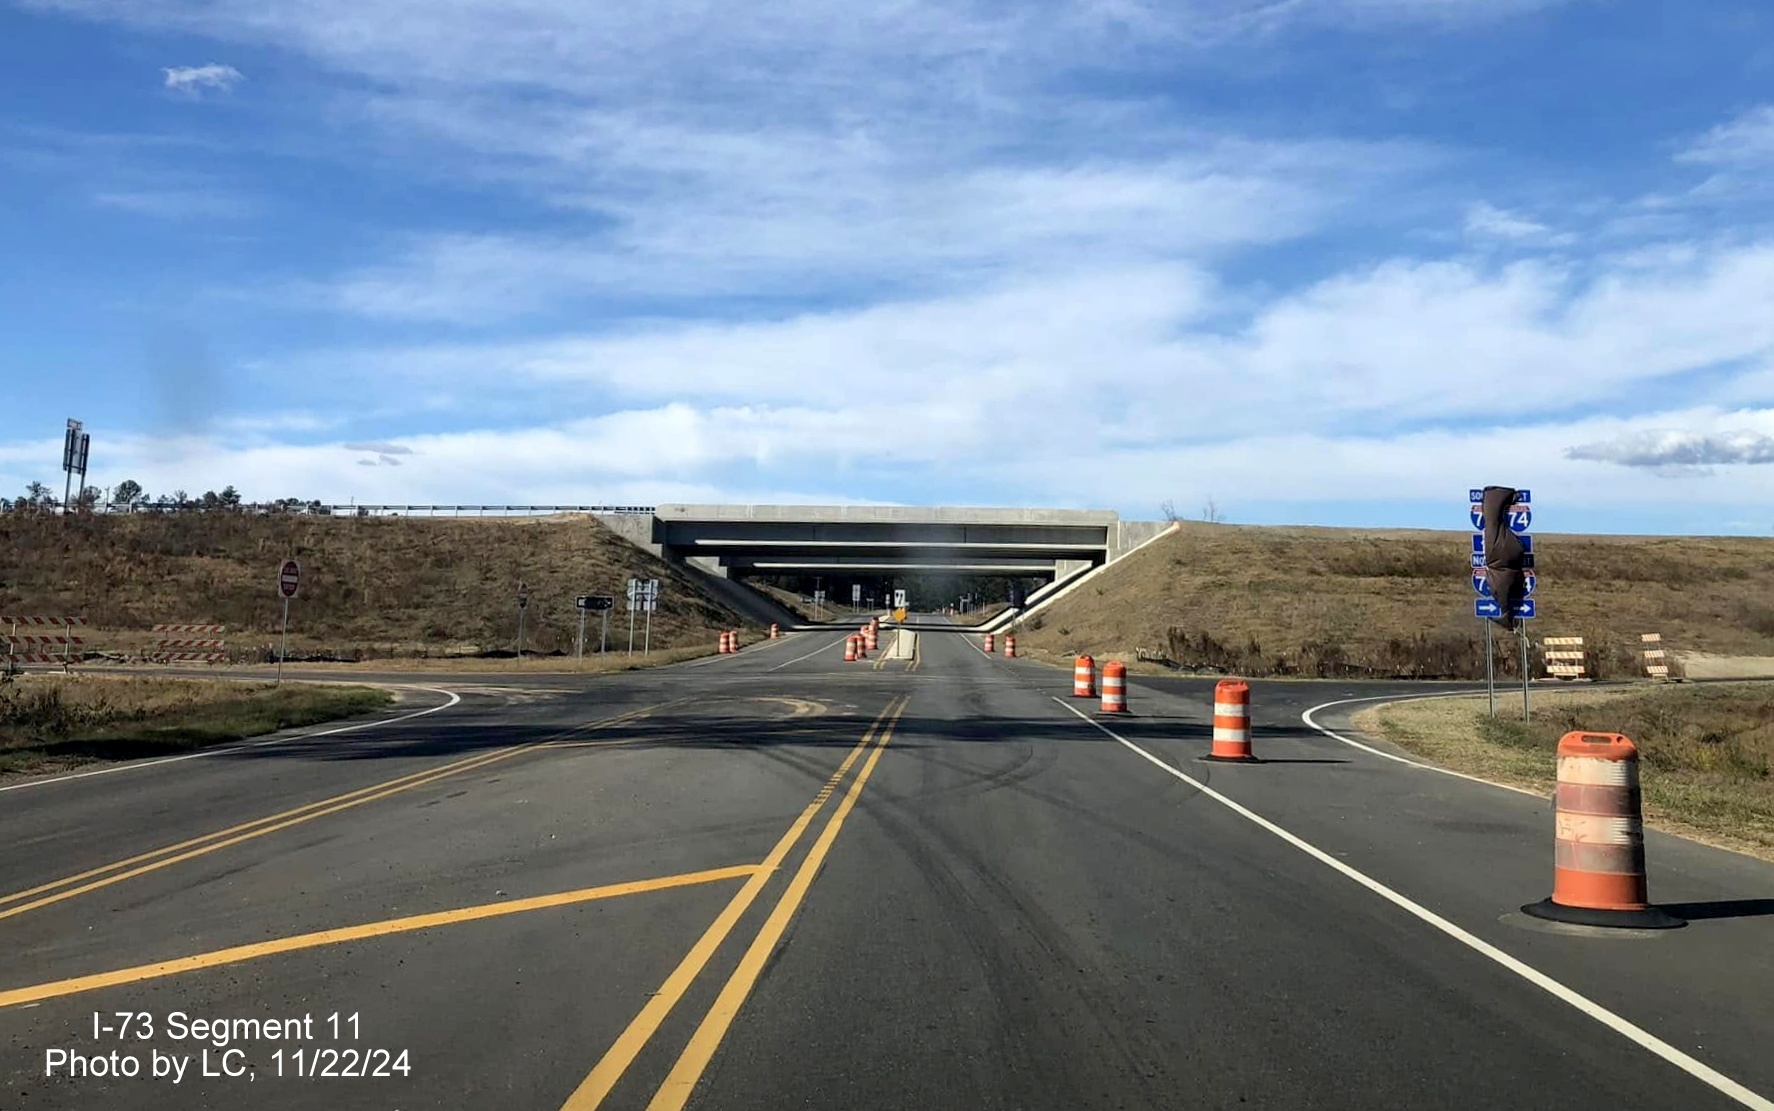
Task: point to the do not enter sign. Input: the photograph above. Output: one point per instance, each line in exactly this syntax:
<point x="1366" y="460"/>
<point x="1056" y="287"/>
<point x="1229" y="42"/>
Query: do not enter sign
<point x="289" y="578"/>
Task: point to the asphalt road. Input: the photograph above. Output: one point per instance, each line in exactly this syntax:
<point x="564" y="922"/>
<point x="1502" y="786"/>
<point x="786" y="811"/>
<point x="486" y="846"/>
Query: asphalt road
<point x="777" y="880"/>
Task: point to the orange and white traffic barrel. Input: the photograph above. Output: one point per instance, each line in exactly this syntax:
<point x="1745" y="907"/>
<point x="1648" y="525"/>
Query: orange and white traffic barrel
<point x="1084" y="677"/>
<point x="726" y="643"/>
<point x="774" y="631"/>
<point x="1010" y="646"/>
<point x="850" y="648"/>
<point x="1114" y="687"/>
<point x="862" y="646"/>
<point x="1598" y="866"/>
<point x="871" y="639"/>
<point x="1231" y="721"/>
<point x="991" y="644"/>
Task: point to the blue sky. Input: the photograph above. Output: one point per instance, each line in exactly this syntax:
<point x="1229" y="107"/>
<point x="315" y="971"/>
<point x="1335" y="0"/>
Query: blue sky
<point x="1324" y="262"/>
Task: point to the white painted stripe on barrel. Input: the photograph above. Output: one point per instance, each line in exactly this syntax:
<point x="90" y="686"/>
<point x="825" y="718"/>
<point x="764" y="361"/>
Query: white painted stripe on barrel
<point x="1231" y="709"/>
<point x="1595" y="829"/>
<point x="1591" y="772"/>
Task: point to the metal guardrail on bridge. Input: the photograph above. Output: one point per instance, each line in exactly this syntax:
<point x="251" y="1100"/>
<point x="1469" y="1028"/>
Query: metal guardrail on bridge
<point x="366" y="510"/>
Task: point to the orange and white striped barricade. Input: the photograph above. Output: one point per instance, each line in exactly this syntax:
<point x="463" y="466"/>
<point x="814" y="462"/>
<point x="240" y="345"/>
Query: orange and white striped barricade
<point x="775" y="630"/>
<point x="27" y="649"/>
<point x="178" y="645"/>
<point x="1656" y="664"/>
<point x="871" y="637"/>
<point x="1084" y="677"/>
<point x="1565" y="657"/>
<point x="991" y="644"/>
<point x="726" y="643"/>
<point x="1114" y="687"/>
<point x="1231" y="722"/>
<point x="850" y="648"/>
<point x="1598" y="865"/>
<point x="1010" y="646"/>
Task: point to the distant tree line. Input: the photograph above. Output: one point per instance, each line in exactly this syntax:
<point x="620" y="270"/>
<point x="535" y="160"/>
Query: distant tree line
<point x="129" y="497"/>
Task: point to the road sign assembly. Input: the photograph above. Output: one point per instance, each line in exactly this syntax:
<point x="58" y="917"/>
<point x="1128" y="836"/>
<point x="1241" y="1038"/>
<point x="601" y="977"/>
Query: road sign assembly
<point x="289" y="581"/>
<point x="1502" y="572"/>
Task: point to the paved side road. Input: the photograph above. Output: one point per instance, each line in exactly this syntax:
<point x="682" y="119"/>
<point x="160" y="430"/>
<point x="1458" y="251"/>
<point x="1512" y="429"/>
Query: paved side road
<point x="779" y="880"/>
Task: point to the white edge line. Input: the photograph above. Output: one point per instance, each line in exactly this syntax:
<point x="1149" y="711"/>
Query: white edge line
<point x="1701" y="1071"/>
<point x="810" y="655"/>
<point x="138" y="765"/>
<point x="1390" y="698"/>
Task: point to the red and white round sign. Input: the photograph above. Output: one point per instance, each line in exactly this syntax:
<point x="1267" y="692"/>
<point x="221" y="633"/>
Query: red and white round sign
<point x="289" y="578"/>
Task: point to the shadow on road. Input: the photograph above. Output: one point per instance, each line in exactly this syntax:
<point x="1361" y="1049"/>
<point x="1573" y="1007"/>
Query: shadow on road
<point x="1721" y="908"/>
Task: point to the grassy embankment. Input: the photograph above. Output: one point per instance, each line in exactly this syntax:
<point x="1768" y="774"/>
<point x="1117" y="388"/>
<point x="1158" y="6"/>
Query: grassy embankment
<point x="52" y="723"/>
<point x="372" y="588"/>
<point x="1343" y="602"/>
<point x="1706" y="751"/>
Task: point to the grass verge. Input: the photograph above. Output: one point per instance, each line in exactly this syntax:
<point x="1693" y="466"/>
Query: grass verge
<point x="1706" y="753"/>
<point x="52" y="723"/>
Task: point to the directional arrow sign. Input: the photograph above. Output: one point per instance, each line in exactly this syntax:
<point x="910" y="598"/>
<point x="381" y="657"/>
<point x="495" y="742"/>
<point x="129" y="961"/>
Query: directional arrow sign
<point x="1488" y="607"/>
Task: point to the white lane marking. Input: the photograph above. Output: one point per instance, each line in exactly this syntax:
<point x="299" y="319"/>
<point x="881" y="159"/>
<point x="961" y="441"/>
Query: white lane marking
<point x="137" y="766"/>
<point x="810" y="655"/>
<point x="1335" y="736"/>
<point x="1698" y="1069"/>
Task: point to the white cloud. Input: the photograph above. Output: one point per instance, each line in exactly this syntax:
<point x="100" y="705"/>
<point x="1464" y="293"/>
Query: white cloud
<point x="193" y="80"/>
<point x="1486" y="221"/>
<point x="1744" y="142"/>
<point x="1678" y="448"/>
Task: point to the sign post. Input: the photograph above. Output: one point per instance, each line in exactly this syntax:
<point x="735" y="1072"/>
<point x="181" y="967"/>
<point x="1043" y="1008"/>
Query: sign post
<point x="855" y="597"/>
<point x="289" y="580"/>
<point x="634" y="596"/>
<point x="75" y="448"/>
<point x="523" y="603"/>
<point x="651" y="595"/>
<point x="1519" y="518"/>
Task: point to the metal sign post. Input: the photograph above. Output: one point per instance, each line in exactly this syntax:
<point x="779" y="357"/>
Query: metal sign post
<point x="634" y="590"/>
<point x="1487" y="606"/>
<point x="75" y="447"/>
<point x="651" y="595"/>
<point x="603" y="603"/>
<point x="523" y="603"/>
<point x="289" y="580"/>
<point x="579" y="641"/>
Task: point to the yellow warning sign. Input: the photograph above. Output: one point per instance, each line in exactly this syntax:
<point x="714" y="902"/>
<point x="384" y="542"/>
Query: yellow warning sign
<point x="899" y="614"/>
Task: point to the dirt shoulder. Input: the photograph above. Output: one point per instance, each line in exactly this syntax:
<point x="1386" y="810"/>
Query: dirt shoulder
<point x="1706" y="752"/>
<point x="56" y="723"/>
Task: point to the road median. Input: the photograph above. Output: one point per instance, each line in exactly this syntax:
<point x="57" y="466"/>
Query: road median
<point x="1707" y="751"/>
<point x="55" y="723"/>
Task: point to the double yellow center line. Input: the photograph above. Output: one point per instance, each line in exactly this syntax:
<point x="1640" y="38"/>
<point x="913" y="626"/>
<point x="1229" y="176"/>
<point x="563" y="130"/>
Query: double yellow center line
<point x="55" y="891"/>
<point x="702" y="1045"/>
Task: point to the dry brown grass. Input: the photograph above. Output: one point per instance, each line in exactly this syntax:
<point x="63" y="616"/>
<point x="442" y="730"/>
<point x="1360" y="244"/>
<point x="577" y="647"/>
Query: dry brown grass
<point x="1350" y="602"/>
<point x="372" y="587"/>
<point x="51" y="723"/>
<point x="1706" y="752"/>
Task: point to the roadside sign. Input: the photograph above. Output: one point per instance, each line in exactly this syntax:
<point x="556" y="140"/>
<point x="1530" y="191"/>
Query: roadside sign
<point x="855" y="594"/>
<point x="899" y="601"/>
<point x="1522" y="497"/>
<point x="1482" y="587"/>
<point x="899" y="614"/>
<point x="1527" y="547"/>
<point x="1488" y="607"/>
<point x="523" y="596"/>
<point x="596" y="602"/>
<point x="1521" y="515"/>
<point x="289" y="578"/>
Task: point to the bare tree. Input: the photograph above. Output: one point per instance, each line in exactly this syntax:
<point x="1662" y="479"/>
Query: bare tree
<point x="1211" y="513"/>
<point x="1169" y="509"/>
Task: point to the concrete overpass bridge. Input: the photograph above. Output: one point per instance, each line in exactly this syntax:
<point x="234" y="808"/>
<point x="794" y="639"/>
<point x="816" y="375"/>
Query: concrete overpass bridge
<point x="1050" y="544"/>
